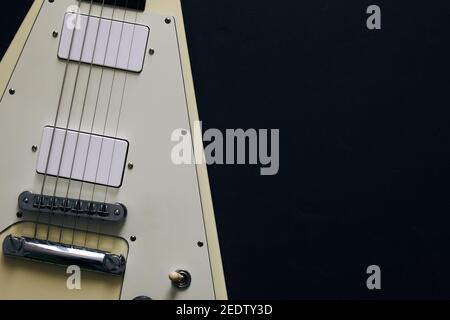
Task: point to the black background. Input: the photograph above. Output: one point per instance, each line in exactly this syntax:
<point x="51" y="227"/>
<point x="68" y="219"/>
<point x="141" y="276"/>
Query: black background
<point x="364" y="123"/>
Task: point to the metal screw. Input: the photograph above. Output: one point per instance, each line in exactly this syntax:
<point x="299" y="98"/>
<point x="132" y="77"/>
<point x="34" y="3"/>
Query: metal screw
<point x="26" y="200"/>
<point x="55" y="34"/>
<point x="19" y="214"/>
<point x="168" y="20"/>
<point x="34" y="148"/>
<point x="131" y="166"/>
<point x="133" y="238"/>
<point x="117" y="212"/>
<point x="183" y="132"/>
<point x="200" y="244"/>
<point x="12" y="91"/>
<point x="151" y="51"/>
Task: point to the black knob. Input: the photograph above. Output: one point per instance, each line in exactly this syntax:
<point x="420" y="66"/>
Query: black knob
<point x="142" y="298"/>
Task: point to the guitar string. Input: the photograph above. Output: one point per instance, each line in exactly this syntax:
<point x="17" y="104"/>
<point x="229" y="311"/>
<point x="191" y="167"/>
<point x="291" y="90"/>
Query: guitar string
<point x="40" y="199"/>
<point x="119" y="116"/>
<point x="106" y="119"/>
<point x="69" y="117"/>
<point x="92" y="126"/>
<point x="97" y="99"/>
<point x="82" y="114"/>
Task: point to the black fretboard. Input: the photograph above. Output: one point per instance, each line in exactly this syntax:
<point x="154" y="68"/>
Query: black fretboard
<point x="129" y="4"/>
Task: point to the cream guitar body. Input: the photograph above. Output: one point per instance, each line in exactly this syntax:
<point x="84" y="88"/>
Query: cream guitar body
<point x="101" y="192"/>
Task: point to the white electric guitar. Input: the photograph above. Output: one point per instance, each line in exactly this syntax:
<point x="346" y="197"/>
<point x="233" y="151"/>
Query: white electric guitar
<point x="93" y="207"/>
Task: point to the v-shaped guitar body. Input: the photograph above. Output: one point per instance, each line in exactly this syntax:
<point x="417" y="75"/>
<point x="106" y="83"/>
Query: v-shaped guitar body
<point x="92" y="96"/>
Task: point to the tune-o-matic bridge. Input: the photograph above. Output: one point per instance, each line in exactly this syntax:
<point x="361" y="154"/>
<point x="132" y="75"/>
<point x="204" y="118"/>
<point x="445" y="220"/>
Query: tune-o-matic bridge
<point x="57" y="253"/>
<point x="29" y="202"/>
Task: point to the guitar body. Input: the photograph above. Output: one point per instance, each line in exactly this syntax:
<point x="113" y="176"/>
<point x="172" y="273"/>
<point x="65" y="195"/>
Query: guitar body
<point x="166" y="215"/>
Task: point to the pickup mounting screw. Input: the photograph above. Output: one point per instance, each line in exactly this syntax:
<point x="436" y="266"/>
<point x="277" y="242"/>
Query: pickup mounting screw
<point x="130" y="165"/>
<point x="12" y="91"/>
<point x="34" y="148"/>
<point x="151" y="51"/>
<point x="26" y="200"/>
<point x="133" y="238"/>
<point x="168" y="20"/>
<point x="55" y="34"/>
<point x="116" y="212"/>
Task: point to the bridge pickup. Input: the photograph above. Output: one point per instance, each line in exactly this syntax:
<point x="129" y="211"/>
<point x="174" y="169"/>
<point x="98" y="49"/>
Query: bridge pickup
<point x="35" y="203"/>
<point x="83" y="157"/>
<point x="61" y="254"/>
<point x="138" y="5"/>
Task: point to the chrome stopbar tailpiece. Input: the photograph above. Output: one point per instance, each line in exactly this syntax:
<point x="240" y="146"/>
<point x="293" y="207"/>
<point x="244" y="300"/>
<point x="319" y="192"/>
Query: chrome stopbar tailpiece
<point x="57" y="253"/>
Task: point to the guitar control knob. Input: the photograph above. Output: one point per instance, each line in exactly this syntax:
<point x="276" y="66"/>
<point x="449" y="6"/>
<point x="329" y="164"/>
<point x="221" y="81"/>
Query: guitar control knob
<point x="180" y="279"/>
<point x="142" y="298"/>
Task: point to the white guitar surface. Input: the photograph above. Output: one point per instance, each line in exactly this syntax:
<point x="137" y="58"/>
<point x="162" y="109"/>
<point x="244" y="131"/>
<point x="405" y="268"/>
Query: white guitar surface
<point x="114" y="127"/>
